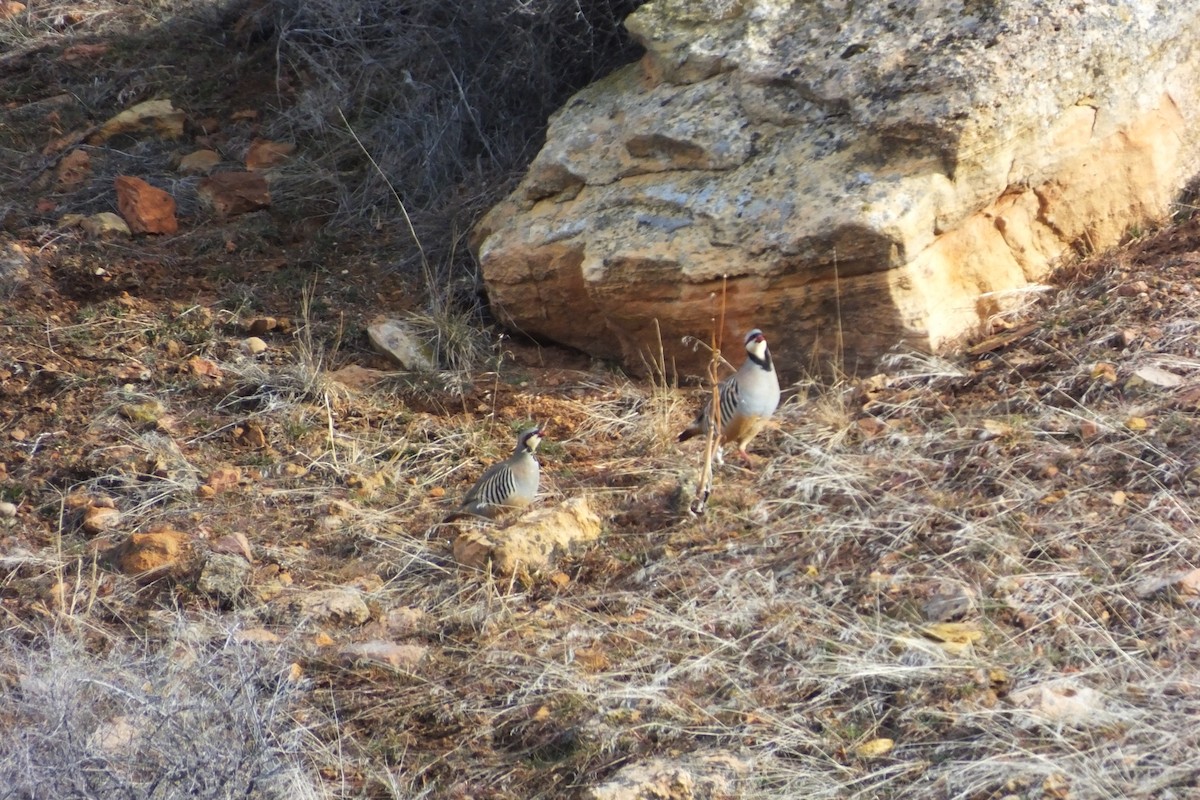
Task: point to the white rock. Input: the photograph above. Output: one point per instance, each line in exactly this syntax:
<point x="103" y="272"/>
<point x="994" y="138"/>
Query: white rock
<point x="691" y="777"/>
<point x="395" y="339"/>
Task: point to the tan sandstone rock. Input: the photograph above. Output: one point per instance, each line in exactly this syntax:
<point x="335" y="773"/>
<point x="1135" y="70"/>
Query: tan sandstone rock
<point x="864" y="175"/>
<point x="534" y="542"/>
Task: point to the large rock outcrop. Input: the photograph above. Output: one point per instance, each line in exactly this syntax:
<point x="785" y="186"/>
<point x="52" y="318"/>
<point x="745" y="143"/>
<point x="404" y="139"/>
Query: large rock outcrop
<point x="864" y="173"/>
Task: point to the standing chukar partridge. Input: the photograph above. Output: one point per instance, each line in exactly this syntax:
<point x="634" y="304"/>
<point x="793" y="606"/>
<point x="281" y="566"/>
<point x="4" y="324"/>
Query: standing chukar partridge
<point x="748" y="399"/>
<point x="511" y="483"/>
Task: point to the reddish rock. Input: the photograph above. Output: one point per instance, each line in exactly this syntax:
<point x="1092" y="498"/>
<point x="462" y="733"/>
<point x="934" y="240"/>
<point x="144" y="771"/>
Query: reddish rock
<point x="145" y="208"/>
<point x="152" y="553"/>
<point x="233" y="193"/>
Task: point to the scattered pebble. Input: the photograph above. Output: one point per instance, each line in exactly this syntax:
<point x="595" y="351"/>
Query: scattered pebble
<point x="253" y="346"/>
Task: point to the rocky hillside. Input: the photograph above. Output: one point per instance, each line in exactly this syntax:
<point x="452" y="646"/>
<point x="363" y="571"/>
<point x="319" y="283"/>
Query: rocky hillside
<point x="222" y="572"/>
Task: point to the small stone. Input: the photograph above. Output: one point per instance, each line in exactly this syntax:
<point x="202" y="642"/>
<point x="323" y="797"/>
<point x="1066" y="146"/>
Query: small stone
<point x="713" y="774"/>
<point x="145" y="208"/>
<point x="260" y="325"/>
<point x="390" y="654"/>
<point x="144" y="413"/>
<point x="339" y="606"/>
<point x="1062" y="702"/>
<point x="1153" y="376"/>
<point x="253" y="346"/>
<point x="264" y="154"/>
<point x="98" y="519"/>
<point x="233" y="193"/>
<point x="103" y="225"/>
<point x="201" y="162"/>
<point x="874" y="748"/>
<point x="397" y="340"/>
<point x="159" y="117"/>
<point x="7" y="510"/>
<point x="256" y="636"/>
<point x="149" y="554"/>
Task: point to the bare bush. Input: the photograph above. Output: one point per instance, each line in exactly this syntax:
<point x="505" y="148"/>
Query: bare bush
<point x="448" y="98"/>
<point x="183" y="720"/>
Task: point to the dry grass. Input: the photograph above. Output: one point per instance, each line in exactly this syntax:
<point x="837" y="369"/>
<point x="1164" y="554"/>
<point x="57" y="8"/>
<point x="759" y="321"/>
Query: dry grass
<point x="799" y="623"/>
<point x="914" y="556"/>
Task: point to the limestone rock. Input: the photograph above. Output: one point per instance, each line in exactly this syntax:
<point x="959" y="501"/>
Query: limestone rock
<point x="233" y="193"/>
<point x="710" y="776"/>
<point x="397" y="341"/>
<point x="338" y="606"/>
<point x="534" y="542"/>
<point x="864" y="174"/>
<point x="99" y="226"/>
<point x="145" y="208"/>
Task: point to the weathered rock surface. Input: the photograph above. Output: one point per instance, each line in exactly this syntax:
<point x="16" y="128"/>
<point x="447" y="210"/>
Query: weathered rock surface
<point x="872" y="174"/>
<point x="534" y="542"/>
<point x="151" y="554"/>
<point x="338" y="606"/>
<point x="153" y="117"/>
<point x="399" y="342"/>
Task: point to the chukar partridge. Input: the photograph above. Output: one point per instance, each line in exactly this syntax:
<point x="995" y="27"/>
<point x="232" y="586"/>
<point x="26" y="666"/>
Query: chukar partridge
<point x="511" y="483"/>
<point x="748" y="399"/>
